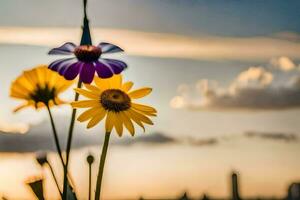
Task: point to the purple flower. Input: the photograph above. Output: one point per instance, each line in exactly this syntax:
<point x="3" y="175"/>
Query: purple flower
<point x="87" y="61"/>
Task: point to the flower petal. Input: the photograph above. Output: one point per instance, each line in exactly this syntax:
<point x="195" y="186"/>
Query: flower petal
<point x="101" y="83"/>
<point x="88" y="114"/>
<point x="87" y="93"/>
<point x="139" y="93"/>
<point x="65" y="66"/>
<point x="96" y="119"/>
<point x="118" y="124"/>
<point x="72" y="71"/>
<point x="56" y="65"/>
<point x="21" y="107"/>
<point x="127" y="123"/>
<point x="127" y="86"/>
<point x="103" y="69"/>
<point x="142" y="107"/>
<point x="85" y="104"/>
<point x="93" y="88"/>
<point x="66" y="49"/>
<point x="117" y="66"/>
<point x="87" y="73"/>
<point x="109" y="48"/>
<point x="135" y="119"/>
<point x="115" y="81"/>
<point x="140" y="117"/>
<point x="110" y="121"/>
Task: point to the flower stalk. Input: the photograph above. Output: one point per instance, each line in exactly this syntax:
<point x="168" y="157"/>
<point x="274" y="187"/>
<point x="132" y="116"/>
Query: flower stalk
<point x="58" y="148"/>
<point x="54" y="178"/>
<point x="101" y="166"/>
<point x="69" y="143"/>
<point x="85" y="40"/>
<point x="90" y="160"/>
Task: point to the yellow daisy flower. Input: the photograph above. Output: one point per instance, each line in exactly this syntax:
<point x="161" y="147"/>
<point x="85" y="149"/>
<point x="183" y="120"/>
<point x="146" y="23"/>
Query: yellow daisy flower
<point x="39" y="87"/>
<point x="113" y="99"/>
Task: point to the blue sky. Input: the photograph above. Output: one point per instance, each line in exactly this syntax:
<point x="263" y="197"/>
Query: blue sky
<point x="230" y="18"/>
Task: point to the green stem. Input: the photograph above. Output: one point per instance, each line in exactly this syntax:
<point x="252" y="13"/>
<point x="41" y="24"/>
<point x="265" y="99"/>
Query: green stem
<point x="55" y="180"/>
<point x="101" y="166"/>
<point x="90" y="180"/>
<point x="69" y="143"/>
<point x="55" y="136"/>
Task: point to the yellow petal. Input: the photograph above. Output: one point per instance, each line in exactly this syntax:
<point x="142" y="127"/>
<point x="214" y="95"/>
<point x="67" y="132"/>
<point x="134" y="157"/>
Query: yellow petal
<point x="118" y="124"/>
<point x="103" y="84"/>
<point x="15" y="92"/>
<point x="127" y="86"/>
<point x="24" y="83"/>
<point x="31" y="77"/>
<point x="21" y="86"/>
<point x="116" y="81"/>
<point x="142" y="107"/>
<point x="87" y="93"/>
<point x="40" y="105"/>
<point x="85" y="104"/>
<point x="41" y="75"/>
<point x="110" y="121"/>
<point x="128" y="123"/>
<point x="21" y="107"/>
<point x="86" y="115"/>
<point x="92" y="88"/>
<point x="141" y="117"/>
<point x="145" y="113"/>
<point x="51" y="79"/>
<point x="96" y="118"/>
<point x="51" y="103"/>
<point x="58" y="101"/>
<point x="136" y="94"/>
<point x="135" y="119"/>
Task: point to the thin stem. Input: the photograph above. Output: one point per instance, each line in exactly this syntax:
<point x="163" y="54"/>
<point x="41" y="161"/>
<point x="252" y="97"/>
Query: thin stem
<point x="101" y="166"/>
<point x="69" y="143"/>
<point x="55" y="180"/>
<point x="55" y="136"/>
<point x="90" y="180"/>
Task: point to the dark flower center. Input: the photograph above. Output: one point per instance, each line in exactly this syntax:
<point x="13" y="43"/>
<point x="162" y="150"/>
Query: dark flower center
<point x="87" y="53"/>
<point x="43" y="94"/>
<point x="115" y="100"/>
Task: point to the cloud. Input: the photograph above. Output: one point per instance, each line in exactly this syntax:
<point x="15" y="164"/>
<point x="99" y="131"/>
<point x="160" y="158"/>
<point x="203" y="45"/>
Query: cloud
<point x="151" y="139"/>
<point x="203" y="142"/>
<point x="283" y="63"/>
<point x="203" y="47"/>
<point x="39" y="137"/>
<point x="279" y="136"/>
<point x="291" y="36"/>
<point x="253" y="89"/>
<point x="6" y="127"/>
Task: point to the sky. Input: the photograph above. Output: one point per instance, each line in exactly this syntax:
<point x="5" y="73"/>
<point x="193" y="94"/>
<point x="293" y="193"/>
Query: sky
<point x="225" y="78"/>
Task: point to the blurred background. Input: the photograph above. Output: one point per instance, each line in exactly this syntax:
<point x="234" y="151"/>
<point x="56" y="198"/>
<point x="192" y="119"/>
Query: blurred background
<point x="226" y="84"/>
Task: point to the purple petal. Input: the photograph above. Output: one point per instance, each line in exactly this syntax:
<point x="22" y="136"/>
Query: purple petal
<point x="116" y="65"/>
<point x="73" y="71"/>
<point x="64" y="66"/>
<point x="56" y="65"/>
<point x="87" y="72"/>
<point x="65" y="49"/>
<point x="103" y="70"/>
<point x="109" y="48"/>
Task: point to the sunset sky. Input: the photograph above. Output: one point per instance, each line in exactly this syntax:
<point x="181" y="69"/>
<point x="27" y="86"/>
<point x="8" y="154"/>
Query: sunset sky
<point x="226" y="84"/>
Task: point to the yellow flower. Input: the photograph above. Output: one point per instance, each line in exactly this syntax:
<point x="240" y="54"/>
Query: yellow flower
<point x="39" y="87"/>
<point x="113" y="99"/>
